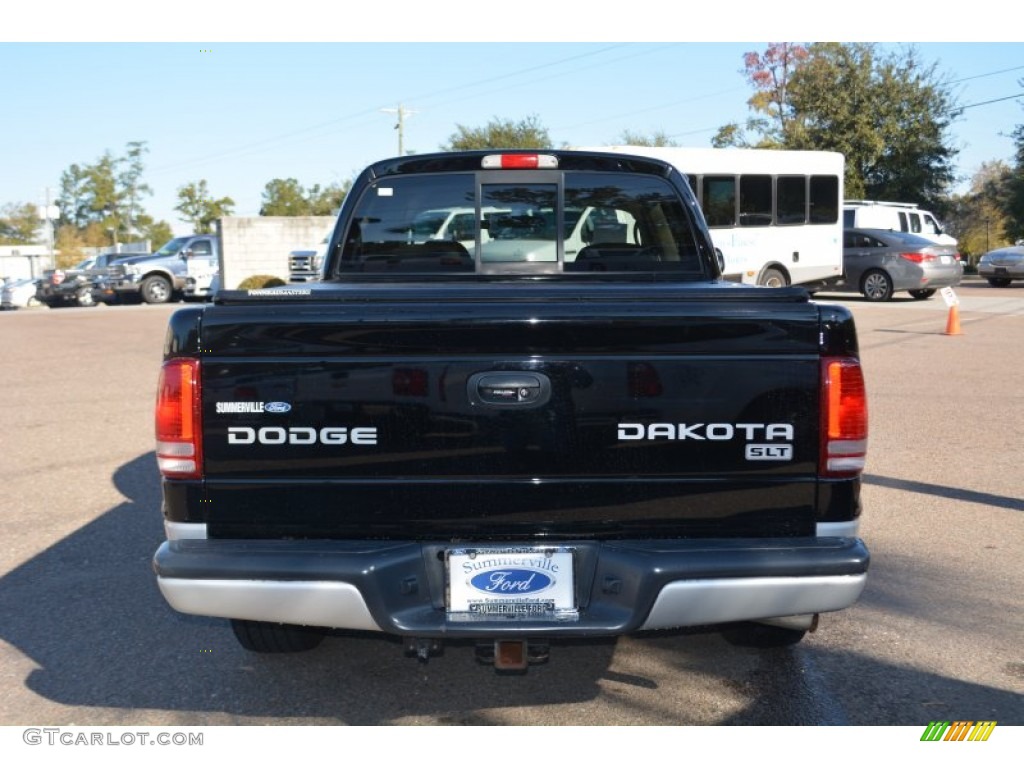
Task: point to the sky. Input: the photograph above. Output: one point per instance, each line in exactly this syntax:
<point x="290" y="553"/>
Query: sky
<point x="248" y="107"/>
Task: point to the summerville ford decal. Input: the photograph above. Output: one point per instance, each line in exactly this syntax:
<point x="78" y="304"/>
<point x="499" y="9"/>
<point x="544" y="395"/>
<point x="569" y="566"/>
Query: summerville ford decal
<point x="511" y="582"/>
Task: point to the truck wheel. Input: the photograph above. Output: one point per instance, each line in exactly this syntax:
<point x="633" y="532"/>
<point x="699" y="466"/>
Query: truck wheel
<point x="773" y="278"/>
<point x="876" y="286"/>
<point x="84" y="298"/>
<point x="266" y="637"/>
<point x="155" y="290"/>
<point x="752" y="635"/>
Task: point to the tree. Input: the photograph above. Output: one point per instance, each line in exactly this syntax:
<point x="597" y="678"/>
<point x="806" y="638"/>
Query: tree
<point x="198" y="207"/>
<point x="284" y="197"/>
<point x="976" y="219"/>
<point x="327" y="201"/>
<point x="1011" y="190"/>
<point x="72" y="202"/>
<point x="156" y="232"/>
<point x="769" y="73"/>
<point x="656" y="139"/>
<point x="500" y="134"/>
<point x="19" y="223"/>
<point x="888" y="114"/>
<point x="102" y="201"/>
<point x="130" y="181"/>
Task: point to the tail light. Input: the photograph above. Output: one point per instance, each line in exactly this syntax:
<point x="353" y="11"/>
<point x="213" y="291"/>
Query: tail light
<point x="179" y="423"/>
<point x="844" y="417"/>
<point x="918" y="258"/>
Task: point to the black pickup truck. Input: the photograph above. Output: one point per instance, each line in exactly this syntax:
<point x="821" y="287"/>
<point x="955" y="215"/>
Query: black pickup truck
<point x="76" y="287"/>
<point x="558" y="423"/>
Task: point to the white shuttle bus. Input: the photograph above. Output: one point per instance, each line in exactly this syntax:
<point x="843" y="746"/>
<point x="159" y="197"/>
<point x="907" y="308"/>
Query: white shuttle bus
<point x="776" y="215"/>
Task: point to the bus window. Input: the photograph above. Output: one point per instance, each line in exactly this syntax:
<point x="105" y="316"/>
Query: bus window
<point x="755" y="200"/>
<point x="790" y="199"/>
<point x="719" y="200"/>
<point x="824" y="200"/>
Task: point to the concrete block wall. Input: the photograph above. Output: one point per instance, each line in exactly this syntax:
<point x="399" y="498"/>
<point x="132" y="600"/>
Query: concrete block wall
<point x="259" y="245"/>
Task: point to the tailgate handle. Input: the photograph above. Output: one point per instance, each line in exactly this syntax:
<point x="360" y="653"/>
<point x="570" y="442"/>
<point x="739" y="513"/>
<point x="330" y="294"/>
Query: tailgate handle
<point x="509" y="389"/>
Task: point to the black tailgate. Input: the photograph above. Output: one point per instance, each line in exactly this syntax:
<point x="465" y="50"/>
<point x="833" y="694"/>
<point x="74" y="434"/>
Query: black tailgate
<point x="518" y="412"/>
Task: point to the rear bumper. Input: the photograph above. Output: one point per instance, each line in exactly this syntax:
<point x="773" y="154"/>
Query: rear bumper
<point x="621" y="586"/>
<point x="1012" y="271"/>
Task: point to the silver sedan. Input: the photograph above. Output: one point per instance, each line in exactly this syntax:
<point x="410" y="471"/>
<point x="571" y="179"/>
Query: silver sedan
<point x="878" y="262"/>
<point x="1002" y="265"/>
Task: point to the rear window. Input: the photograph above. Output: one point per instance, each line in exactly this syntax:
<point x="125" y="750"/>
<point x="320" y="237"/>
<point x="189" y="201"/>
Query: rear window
<point x="467" y="223"/>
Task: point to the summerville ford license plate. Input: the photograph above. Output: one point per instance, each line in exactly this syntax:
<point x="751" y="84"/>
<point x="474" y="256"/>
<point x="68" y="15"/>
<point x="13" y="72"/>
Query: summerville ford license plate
<point x="511" y="582"/>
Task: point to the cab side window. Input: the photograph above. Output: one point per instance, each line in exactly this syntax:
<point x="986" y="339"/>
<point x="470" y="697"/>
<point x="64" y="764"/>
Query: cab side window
<point x="201" y="248"/>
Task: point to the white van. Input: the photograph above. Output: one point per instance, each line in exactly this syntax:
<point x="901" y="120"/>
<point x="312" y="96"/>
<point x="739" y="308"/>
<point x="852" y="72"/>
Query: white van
<point x="898" y="217"/>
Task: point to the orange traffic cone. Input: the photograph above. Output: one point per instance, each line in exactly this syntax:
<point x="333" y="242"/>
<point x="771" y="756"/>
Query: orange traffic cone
<point x="953" y="321"/>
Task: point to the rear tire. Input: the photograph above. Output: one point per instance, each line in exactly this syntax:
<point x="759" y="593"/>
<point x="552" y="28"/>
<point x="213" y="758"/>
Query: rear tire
<point x="924" y="293"/>
<point x="267" y="637"/>
<point x="876" y="285"/>
<point x="773" y="278"/>
<point x="752" y="635"/>
<point x="999" y="282"/>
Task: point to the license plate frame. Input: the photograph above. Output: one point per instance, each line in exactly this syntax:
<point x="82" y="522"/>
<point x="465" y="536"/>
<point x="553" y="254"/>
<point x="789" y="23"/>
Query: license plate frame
<point x="511" y="583"/>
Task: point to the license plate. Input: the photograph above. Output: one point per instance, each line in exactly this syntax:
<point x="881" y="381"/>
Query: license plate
<point x="511" y="583"/>
<point x="947" y="259"/>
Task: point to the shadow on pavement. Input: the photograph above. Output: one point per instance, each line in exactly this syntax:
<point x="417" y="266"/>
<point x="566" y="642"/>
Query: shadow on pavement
<point x="87" y="611"/>
<point x="947" y="492"/>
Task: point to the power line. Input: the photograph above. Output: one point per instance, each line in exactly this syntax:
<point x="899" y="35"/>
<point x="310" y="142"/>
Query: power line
<point x="986" y="74"/>
<point x="244" y="149"/>
<point x="958" y="110"/>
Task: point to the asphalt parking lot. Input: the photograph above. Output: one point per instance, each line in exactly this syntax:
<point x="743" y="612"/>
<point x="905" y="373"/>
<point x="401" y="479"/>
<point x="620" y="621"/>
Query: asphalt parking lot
<point x="86" y="638"/>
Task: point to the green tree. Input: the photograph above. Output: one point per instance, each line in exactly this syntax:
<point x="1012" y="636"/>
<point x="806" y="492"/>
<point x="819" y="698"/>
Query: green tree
<point x="976" y="219"/>
<point x="130" y="180"/>
<point x="72" y="201"/>
<point x="327" y="201"/>
<point x="656" y="139"/>
<point x="106" y="197"/>
<point x="284" y="197"/>
<point x="103" y="195"/>
<point x="500" y="134"/>
<point x="156" y="232"/>
<point x="19" y="223"/>
<point x="199" y="208"/>
<point x="889" y="114"/>
<point x="1011" y="190"/>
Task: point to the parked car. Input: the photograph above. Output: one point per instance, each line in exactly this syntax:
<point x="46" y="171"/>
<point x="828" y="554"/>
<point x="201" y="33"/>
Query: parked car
<point x="19" y="293"/>
<point x="163" y="276"/>
<point x="304" y="265"/>
<point x="877" y="263"/>
<point x="1003" y="265"/>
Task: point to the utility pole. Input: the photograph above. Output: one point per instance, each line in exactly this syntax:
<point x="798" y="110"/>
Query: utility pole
<point x="48" y="213"/>
<point x="400" y="125"/>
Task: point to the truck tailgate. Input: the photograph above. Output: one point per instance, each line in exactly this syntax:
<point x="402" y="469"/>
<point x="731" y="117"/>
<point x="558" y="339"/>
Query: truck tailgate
<point x="508" y="413"/>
